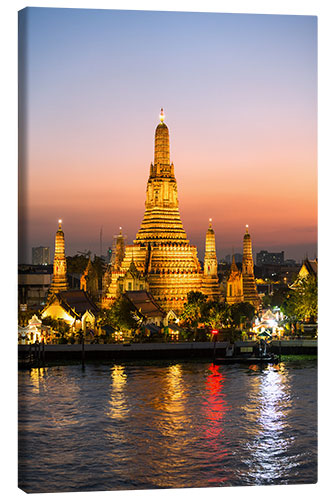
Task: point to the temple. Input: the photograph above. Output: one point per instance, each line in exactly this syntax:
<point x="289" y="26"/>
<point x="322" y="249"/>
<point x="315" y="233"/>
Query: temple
<point x="249" y="284"/>
<point x="89" y="280"/>
<point x="210" y="281"/>
<point x="234" y="284"/>
<point x="74" y="307"/>
<point x="161" y="259"/>
<point x="59" y="280"/>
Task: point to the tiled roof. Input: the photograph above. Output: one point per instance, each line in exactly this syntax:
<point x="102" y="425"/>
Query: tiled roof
<point x="145" y="302"/>
<point x="76" y="302"/>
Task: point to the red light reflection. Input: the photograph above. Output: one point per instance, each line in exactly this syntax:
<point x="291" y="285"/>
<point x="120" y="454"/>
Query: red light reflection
<point x="215" y="405"/>
<point x="215" y="408"/>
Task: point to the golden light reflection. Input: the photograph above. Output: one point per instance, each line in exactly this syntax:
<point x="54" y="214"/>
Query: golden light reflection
<point x="174" y="381"/>
<point x="118" y="407"/>
<point x="49" y="388"/>
<point x="172" y="404"/>
<point x="36" y="377"/>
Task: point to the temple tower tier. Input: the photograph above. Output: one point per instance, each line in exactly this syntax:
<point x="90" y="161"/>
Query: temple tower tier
<point x="210" y="282"/>
<point x="249" y="285"/>
<point x="234" y="284"/>
<point x="59" y="280"/>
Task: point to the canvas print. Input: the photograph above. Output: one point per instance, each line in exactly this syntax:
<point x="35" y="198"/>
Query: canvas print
<point x="167" y="274"/>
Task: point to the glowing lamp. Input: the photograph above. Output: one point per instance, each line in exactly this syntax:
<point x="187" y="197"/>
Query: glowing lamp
<point x="162" y="115"/>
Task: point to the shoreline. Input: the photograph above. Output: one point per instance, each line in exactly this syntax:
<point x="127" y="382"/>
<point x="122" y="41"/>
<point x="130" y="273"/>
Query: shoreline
<point x="30" y="355"/>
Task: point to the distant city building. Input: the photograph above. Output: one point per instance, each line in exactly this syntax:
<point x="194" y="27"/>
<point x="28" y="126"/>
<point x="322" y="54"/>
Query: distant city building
<point x="290" y="262"/>
<point x="33" y="286"/>
<point x="264" y="257"/>
<point x="238" y="258"/>
<point x="41" y="256"/>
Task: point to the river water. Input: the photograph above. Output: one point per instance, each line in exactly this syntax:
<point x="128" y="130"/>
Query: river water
<point x="166" y="425"/>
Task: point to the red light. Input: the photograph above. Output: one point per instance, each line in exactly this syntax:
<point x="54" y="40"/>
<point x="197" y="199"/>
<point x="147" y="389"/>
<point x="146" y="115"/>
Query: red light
<point x="215" y="332"/>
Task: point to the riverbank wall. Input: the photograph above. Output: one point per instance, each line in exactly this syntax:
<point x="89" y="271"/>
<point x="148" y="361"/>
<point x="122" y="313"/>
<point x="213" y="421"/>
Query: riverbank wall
<point x="63" y="353"/>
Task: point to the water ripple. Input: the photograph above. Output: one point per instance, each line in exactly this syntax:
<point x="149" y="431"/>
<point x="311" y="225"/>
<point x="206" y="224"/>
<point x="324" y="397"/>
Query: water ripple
<point x="166" y="426"/>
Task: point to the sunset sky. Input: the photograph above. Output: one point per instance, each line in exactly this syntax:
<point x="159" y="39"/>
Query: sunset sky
<point x="240" y="98"/>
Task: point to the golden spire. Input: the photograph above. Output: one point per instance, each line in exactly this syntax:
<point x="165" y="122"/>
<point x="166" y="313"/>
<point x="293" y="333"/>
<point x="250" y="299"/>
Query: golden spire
<point x="234" y="267"/>
<point x="162" y="145"/>
<point x="59" y="280"/>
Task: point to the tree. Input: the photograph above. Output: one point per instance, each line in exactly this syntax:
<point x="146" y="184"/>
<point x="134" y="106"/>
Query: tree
<point x="241" y="312"/>
<point x="218" y="314"/>
<point x="77" y="264"/>
<point x="121" y="315"/>
<point x="195" y="310"/>
<point x="302" y="301"/>
<point x="277" y="298"/>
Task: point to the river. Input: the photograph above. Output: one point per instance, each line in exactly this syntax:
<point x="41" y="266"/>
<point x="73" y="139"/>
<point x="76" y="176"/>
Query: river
<point x="166" y="425"/>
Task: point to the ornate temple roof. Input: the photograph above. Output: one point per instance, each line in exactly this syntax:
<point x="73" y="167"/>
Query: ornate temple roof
<point x="145" y="303"/>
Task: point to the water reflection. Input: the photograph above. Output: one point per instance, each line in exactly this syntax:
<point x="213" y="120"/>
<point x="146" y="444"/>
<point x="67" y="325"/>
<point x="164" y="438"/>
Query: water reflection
<point x="172" y="404"/>
<point x="150" y="426"/>
<point x="216" y="447"/>
<point x="48" y="389"/>
<point x="117" y="405"/>
<point x="269" y="457"/>
<point x="215" y="405"/>
<point x="37" y="378"/>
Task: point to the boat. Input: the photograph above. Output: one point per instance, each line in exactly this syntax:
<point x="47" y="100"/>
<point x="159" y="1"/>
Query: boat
<point x="248" y="360"/>
<point x="259" y="356"/>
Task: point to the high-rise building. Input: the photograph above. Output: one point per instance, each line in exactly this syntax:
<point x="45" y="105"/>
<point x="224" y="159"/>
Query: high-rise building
<point x="249" y="285"/>
<point x="264" y="257"/>
<point x="161" y="253"/>
<point x="41" y="256"/>
<point x="59" y="280"/>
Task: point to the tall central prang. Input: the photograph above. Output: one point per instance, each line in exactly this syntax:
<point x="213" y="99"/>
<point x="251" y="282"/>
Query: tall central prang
<point x="161" y="259"/>
<point x="161" y="221"/>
